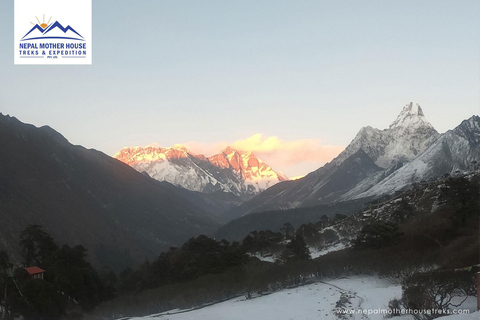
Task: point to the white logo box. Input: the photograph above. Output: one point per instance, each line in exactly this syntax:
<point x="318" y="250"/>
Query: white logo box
<point x="67" y="42"/>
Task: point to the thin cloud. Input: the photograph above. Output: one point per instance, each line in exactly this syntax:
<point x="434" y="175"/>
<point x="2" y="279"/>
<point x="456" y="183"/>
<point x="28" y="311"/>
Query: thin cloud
<point x="292" y="152"/>
<point x="294" y="157"/>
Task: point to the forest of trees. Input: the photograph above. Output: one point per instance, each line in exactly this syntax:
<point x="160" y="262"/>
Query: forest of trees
<point x="70" y="285"/>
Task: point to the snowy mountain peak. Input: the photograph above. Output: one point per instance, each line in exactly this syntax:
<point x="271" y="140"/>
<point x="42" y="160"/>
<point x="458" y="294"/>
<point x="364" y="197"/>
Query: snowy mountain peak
<point x="473" y="123"/>
<point x="239" y="172"/>
<point x="470" y="130"/>
<point x="247" y="165"/>
<point x="179" y="147"/>
<point x="232" y="153"/>
<point x="229" y="150"/>
<point x="411" y="116"/>
<point x="413" y="109"/>
<point x="408" y="136"/>
<point x="451" y="153"/>
<point x="136" y="155"/>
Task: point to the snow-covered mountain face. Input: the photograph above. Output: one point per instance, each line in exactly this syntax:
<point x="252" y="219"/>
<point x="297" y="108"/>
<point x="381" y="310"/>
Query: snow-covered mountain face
<point x="252" y="170"/>
<point x="408" y="136"/>
<point x="240" y="173"/>
<point x="372" y="156"/>
<point x="454" y="152"/>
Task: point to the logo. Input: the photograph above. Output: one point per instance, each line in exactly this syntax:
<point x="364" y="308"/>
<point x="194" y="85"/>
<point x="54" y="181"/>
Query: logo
<point x="63" y="37"/>
<point x="51" y="31"/>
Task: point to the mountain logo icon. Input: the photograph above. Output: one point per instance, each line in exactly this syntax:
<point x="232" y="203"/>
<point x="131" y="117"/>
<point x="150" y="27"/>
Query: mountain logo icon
<point x="44" y="30"/>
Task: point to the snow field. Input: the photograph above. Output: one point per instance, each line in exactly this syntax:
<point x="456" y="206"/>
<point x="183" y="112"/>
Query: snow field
<point x="314" y="301"/>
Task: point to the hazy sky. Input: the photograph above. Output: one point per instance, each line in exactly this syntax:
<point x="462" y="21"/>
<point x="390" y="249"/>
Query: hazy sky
<point x="295" y="80"/>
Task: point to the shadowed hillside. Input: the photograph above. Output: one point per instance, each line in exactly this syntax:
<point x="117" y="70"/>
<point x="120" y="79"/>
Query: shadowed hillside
<point x="85" y="197"/>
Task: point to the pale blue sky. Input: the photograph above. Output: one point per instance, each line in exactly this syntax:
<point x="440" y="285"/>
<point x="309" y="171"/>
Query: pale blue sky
<point x="208" y="71"/>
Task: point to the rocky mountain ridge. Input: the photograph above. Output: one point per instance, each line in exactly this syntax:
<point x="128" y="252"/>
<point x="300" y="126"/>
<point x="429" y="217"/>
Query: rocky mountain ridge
<point x="456" y="151"/>
<point x="408" y="136"/>
<point x="240" y="173"/>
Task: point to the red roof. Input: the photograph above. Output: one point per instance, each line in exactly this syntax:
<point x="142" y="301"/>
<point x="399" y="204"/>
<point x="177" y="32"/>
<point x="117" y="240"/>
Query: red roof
<point x="34" y="270"/>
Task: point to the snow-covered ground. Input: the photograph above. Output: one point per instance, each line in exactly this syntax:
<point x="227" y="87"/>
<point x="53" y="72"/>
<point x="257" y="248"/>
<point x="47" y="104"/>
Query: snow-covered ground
<point x="315" y="252"/>
<point x="362" y="297"/>
<point x="315" y="301"/>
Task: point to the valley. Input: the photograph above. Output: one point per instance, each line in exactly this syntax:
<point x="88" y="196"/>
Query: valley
<point x="175" y="230"/>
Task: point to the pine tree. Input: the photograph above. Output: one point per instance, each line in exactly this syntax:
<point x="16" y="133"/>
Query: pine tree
<point x="296" y="250"/>
<point x="38" y="246"/>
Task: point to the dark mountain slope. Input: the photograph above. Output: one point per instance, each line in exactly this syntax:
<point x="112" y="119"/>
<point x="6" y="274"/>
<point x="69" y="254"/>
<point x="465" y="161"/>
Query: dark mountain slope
<point x="238" y="229"/>
<point x="85" y="197"/>
<point x="322" y="186"/>
<point x="217" y="204"/>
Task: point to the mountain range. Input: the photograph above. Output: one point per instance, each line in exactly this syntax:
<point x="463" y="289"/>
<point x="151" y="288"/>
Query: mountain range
<point x="230" y="171"/>
<point x="371" y="156"/>
<point x="375" y="163"/>
<point x="413" y="149"/>
<point x="455" y="151"/>
<point x="120" y="211"/>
